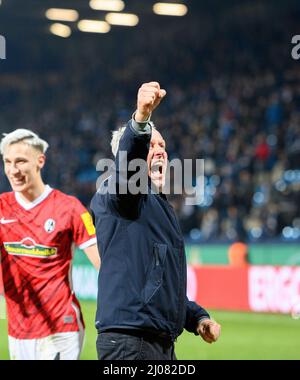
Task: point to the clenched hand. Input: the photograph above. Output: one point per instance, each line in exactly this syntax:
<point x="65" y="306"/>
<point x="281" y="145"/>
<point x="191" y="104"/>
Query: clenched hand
<point x="209" y="330"/>
<point x="149" y="96"/>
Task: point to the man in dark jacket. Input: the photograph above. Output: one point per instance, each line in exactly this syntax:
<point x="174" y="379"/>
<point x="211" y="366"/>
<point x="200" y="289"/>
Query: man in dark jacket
<point x="142" y="302"/>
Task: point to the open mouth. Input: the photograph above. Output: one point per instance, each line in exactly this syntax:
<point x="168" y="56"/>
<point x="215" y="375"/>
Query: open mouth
<point x="157" y="167"/>
<point x="18" y="182"/>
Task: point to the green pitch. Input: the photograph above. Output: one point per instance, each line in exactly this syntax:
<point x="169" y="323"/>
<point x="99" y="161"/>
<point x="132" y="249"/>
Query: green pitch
<point x="244" y="336"/>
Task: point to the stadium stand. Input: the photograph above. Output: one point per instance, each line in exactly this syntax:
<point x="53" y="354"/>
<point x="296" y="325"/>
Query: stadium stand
<point x="233" y="99"/>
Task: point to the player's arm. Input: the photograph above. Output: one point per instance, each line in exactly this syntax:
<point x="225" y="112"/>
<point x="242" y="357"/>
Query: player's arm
<point x="93" y="255"/>
<point x="84" y="234"/>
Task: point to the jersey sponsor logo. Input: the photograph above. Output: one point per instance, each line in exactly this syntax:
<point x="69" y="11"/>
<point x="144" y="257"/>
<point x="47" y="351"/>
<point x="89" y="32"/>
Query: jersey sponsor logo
<point x="6" y="221"/>
<point x="28" y="247"/>
<point x="88" y="222"/>
<point x="49" y="225"/>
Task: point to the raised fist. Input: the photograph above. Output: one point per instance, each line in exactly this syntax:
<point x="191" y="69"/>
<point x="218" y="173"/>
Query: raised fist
<point x="149" y="96"/>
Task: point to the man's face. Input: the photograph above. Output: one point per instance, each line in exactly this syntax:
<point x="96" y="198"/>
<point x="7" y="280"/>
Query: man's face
<point x="157" y="160"/>
<point x="22" y="166"/>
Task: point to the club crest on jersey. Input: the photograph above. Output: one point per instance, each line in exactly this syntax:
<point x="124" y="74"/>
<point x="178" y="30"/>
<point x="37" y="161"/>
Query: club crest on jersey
<point x="49" y="225"/>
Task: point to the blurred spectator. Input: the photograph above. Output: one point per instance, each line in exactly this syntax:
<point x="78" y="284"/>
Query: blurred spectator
<point x="238" y="254"/>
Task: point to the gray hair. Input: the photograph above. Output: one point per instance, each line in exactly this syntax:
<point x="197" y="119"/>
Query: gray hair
<point x="116" y="137"/>
<point x="23" y="135"/>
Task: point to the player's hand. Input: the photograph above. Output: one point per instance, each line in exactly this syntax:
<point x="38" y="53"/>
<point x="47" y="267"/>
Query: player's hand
<point x="148" y="98"/>
<point x="209" y="330"/>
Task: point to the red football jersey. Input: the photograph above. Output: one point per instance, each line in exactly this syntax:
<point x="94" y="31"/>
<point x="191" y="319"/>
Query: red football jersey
<point x="36" y="252"/>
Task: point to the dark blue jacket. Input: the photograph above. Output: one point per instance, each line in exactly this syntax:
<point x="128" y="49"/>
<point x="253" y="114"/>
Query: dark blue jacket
<point x="142" y="280"/>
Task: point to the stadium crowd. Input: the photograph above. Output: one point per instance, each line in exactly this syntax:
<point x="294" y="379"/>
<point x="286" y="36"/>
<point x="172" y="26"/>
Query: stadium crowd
<point x="233" y="98"/>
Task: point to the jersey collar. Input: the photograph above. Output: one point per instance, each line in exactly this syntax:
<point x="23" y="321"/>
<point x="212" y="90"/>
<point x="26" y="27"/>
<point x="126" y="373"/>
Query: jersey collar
<point x="37" y="201"/>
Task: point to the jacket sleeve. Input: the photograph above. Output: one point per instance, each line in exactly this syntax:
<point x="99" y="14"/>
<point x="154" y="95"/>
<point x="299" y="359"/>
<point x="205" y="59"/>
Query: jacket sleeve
<point x="132" y="146"/>
<point x="194" y="314"/>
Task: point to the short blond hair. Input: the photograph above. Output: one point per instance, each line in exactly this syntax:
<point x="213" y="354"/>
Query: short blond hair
<point x="23" y="135"/>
